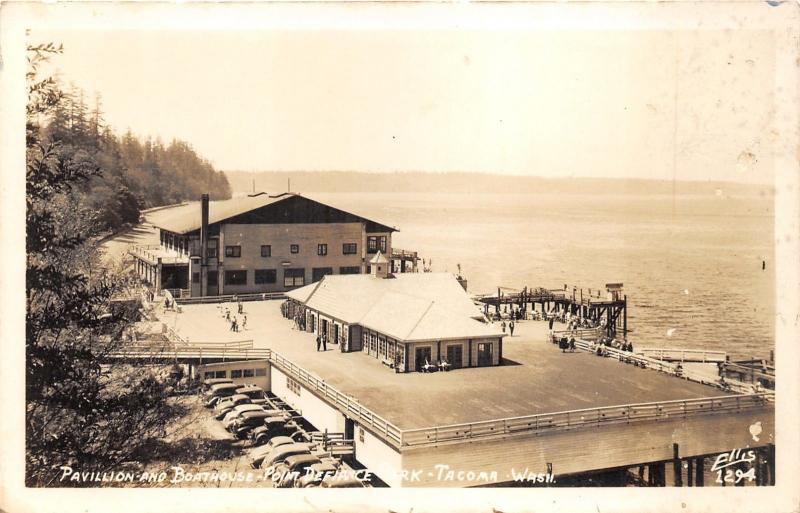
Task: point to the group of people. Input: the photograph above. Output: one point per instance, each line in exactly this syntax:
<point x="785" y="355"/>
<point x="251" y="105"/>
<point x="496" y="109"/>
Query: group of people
<point x="511" y="326"/>
<point x="565" y="343"/>
<point x="233" y="320"/>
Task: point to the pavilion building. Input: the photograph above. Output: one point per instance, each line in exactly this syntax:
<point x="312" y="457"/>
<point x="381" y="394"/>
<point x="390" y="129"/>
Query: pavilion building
<point x="402" y="320"/>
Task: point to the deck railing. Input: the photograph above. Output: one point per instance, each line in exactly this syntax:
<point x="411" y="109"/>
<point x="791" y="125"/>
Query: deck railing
<point x="683" y="355"/>
<point x="531" y="424"/>
<point x="230" y="298"/>
<point x="590" y="417"/>
<point x="382" y="427"/>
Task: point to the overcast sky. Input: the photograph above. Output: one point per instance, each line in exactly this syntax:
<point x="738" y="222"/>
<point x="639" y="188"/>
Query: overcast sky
<point x="651" y="104"/>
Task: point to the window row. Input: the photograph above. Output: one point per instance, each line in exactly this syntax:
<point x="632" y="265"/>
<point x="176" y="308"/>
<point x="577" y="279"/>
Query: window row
<point x="236" y="373"/>
<point x="349" y="248"/>
<point x="291" y="277"/>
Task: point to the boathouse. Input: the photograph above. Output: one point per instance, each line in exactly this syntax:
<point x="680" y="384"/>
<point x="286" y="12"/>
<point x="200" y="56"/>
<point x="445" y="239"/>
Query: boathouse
<point x="402" y="320"/>
<point x="259" y="243"/>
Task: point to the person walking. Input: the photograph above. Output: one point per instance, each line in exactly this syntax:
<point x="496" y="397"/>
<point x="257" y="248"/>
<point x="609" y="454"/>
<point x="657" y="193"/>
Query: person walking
<point x="552" y="319"/>
<point x="244" y="322"/>
<point x="503" y="326"/>
<point x="511" y="328"/>
<point x="572" y="344"/>
<point x="319" y="342"/>
<point x="325" y="343"/>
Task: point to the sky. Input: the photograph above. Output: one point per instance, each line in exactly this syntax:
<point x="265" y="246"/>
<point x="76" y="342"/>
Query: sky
<point x="686" y="105"/>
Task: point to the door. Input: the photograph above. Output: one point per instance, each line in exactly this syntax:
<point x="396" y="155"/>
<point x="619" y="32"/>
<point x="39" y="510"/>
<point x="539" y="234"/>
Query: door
<point x="484" y="355"/>
<point x="423" y="354"/>
<point x="455" y="355"/>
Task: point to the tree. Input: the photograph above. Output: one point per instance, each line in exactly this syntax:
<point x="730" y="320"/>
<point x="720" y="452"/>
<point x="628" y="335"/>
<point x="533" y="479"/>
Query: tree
<point x="82" y="409"/>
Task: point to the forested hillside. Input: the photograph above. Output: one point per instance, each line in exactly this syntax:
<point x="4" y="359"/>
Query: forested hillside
<point x="133" y="174"/>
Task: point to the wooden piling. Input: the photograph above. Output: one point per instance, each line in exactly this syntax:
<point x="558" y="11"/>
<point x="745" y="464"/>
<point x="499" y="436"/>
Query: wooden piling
<point x="699" y="478"/>
<point x="676" y="466"/>
<point x="771" y="463"/>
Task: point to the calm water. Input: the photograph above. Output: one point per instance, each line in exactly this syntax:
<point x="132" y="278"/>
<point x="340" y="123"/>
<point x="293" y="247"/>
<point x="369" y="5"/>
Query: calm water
<point x="690" y="264"/>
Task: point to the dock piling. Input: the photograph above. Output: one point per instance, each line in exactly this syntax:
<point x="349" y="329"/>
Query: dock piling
<point x="676" y="466"/>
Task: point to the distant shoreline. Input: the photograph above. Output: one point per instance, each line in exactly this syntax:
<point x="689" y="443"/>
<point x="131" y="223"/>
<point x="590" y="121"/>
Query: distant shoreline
<point x="473" y="183"/>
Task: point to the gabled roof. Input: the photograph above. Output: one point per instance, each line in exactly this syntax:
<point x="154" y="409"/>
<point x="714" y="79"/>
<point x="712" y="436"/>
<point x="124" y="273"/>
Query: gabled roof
<point x="411" y="307"/>
<point x="185" y="218"/>
<point x="379" y="259"/>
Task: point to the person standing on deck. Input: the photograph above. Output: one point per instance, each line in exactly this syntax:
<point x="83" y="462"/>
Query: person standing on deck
<point x="552" y="319"/>
<point x="511" y="328"/>
<point x="244" y="322"/>
<point x="325" y="342"/>
<point x="503" y="326"/>
<point x="319" y="342"/>
<point x="572" y="344"/>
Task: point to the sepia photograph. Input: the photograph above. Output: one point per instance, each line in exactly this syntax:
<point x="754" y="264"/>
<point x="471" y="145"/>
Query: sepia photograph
<point x="545" y="252"/>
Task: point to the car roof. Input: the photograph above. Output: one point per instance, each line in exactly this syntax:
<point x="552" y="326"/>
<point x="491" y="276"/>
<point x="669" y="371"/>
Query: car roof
<point x="224" y="386"/>
<point x="277" y="441"/>
<point x="255" y="413"/>
<point x="302" y="458"/>
<point x="250" y="388"/>
<point x="235" y="397"/>
<point x="247" y="407"/>
<point x="323" y="466"/>
<point x="285" y="449"/>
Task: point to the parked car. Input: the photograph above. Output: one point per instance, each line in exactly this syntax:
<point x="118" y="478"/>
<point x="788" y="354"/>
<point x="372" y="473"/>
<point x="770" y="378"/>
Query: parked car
<point x="248" y="421"/>
<point x="257" y="455"/>
<point x="287" y="468"/>
<point x="226" y="404"/>
<point x="238" y="411"/>
<point x="273" y="426"/>
<point x="217" y="392"/>
<point x="254" y="392"/>
<point x="317" y="472"/>
<point x="208" y="383"/>
<point x="280" y="453"/>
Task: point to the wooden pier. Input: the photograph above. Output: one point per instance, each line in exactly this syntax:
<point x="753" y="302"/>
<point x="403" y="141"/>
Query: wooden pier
<point x="609" y="310"/>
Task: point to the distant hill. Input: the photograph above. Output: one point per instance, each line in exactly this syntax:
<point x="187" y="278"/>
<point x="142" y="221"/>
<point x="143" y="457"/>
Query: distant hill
<point x="352" y="181"/>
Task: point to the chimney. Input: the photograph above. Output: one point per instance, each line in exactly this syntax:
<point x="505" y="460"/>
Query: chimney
<point x="204" y="245"/>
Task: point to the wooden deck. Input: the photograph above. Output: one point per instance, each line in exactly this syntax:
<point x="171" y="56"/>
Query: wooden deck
<point x="606" y="447"/>
<point x="536" y="376"/>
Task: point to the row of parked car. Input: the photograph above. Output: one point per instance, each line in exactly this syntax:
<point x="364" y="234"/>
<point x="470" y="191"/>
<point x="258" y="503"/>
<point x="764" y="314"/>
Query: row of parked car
<point x="282" y="444"/>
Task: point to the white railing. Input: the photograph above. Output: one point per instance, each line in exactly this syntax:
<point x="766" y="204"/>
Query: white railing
<point x="380" y="426"/>
<point x="229" y="298"/>
<point x="590" y="417"/>
<point x="684" y="355"/>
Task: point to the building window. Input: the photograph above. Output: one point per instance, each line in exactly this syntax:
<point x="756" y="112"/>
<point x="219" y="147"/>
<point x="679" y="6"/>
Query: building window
<point x="266" y="250"/>
<point x="292" y="385"/>
<point x="261" y="371"/>
<point x="322" y="249"/>
<point x="350" y="270"/>
<point x="318" y="272"/>
<point x="213" y="278"/>
<point x="266" y="276"/>
<point x="361" y="435"/>
<point x="211" y="252"/>
<point x="294" y="248"/>
<point x="236" y="277"/>
<point x="248" y="373"/>
<point x="349" y="248"/>
<point x="294" y="277"/>
<point x="375" y="243"/>
<point x="236" y="373"/>
<point x="233" y="251"/>
<point x="195" y="277"/>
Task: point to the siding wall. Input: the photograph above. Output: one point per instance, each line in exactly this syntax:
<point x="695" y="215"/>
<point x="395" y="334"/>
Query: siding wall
<point x="280" y="237"/>
<point x="262" y="381"/>
<point x="381" y="459"/>
<point x="315" y="410"/>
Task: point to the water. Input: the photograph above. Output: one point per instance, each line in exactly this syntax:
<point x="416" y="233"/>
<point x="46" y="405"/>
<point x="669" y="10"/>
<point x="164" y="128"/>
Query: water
<point x="690" y="264"/>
